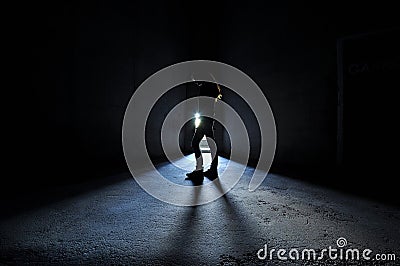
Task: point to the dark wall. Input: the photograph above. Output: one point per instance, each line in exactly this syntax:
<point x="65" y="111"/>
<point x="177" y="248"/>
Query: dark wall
<point x="80" y="72"/>
<point x="290" y="51"/>
<point x="293" y="61"/>
<point x="156" y="119"/>
<point x="84" y="61"/>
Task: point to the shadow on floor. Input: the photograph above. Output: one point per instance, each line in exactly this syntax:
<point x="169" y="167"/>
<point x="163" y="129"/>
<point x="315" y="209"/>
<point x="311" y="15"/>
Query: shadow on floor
<point x="24" y="200"/>
<point x="230" y="233"/>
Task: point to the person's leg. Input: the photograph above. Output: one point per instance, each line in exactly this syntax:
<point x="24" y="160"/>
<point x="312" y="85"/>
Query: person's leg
<point x="198" y="135"/>
<point x="197" y="174"/>
<point x="213" y="149"/>
<point x="212" y="173"/>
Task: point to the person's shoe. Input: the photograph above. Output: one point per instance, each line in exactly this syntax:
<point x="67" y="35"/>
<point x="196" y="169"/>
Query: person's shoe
<point x="196" y="175"/>
<point x="211" y="174"/>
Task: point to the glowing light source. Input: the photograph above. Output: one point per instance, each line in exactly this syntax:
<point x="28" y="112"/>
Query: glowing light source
<point x="197" y="120"/>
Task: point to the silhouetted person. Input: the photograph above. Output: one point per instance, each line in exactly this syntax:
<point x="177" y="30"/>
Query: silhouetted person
<point x="205" y="127"/>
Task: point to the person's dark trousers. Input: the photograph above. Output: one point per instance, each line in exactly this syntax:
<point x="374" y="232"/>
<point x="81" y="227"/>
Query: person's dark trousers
<point x="206" y="128"/>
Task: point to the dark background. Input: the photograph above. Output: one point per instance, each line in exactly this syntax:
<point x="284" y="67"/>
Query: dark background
<point x="328" y="69"/>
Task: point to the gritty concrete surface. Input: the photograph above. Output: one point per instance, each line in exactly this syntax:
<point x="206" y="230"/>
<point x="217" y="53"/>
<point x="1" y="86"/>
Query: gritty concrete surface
<point x="119" y="223"/>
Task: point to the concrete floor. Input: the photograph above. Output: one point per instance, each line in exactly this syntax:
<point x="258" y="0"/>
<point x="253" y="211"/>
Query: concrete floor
<point x="118" y="223"/>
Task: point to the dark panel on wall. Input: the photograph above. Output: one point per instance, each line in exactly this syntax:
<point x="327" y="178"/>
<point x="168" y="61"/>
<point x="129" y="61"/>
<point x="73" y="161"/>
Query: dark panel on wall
<point x="370" y="67"/>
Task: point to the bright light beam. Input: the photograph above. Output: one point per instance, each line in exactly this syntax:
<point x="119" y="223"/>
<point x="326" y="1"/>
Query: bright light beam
<point x="197" y="120"/>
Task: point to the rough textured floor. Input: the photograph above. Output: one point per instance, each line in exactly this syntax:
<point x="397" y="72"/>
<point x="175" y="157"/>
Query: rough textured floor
<point x="119" y="223"/>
